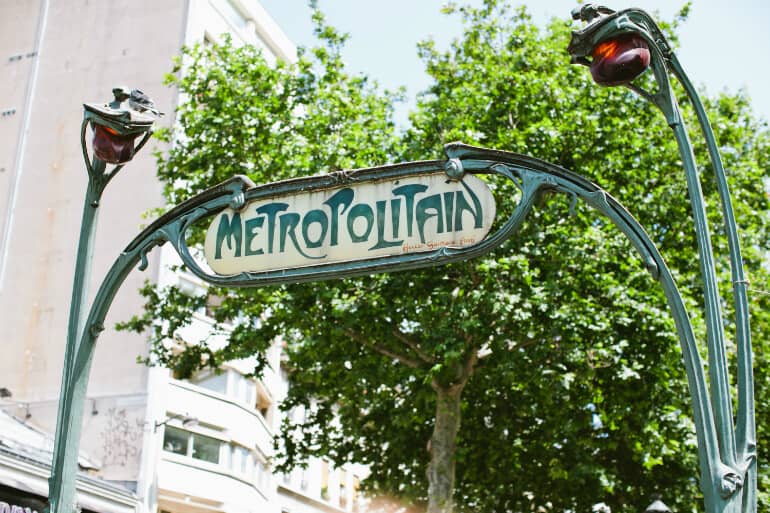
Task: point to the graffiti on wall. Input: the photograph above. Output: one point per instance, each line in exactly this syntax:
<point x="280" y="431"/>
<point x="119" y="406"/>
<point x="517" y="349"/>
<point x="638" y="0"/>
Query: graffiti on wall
<point x="121" y="438"/>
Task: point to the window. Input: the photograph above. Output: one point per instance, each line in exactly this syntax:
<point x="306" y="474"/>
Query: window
<point x="263" y="475"/>
<point x="243" y="389"/>
<point x="231" y="14"/>
<point x="356" y="496"/>
<point x="212" y="381"/>
<point x="242" y="461"/>
<point x="175" y="440"/>
<point x="205" y="448"/>
<point x="248" y="464"/>
<point x="263" y="402"/>
<point x="325" y="480"/>
<point x="303" y="482"/>
<point x="213" y="302"/>
<point x="236" y="386"/>
<point x="193" y="445"/>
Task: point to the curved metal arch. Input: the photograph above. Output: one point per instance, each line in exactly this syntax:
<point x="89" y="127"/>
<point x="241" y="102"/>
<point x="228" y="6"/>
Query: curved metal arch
<point x="532" y="176"/>
<point x="736" y="434"/>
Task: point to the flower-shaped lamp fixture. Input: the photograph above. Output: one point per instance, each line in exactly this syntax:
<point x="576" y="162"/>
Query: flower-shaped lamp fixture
<point x="119" y="123"/>
<point x="618" y="54"/>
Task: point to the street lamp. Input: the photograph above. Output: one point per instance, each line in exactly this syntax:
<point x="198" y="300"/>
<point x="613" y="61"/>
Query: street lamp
<point x="618" y="47"/>
<point x="116" y="127"/>
<point x="187" y="421"/>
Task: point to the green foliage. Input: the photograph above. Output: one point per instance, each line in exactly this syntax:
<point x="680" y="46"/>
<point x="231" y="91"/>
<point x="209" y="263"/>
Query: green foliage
<point x="241" y="114"/>
<point x="574" y="390"/>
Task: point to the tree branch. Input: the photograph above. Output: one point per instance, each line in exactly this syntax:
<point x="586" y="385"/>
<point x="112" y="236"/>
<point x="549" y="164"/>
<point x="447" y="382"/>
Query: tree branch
<point x="463" y="375"/>
<point x="422" y="355"/>
<point x="409" y="362"/>
<point x="470" y="366"/>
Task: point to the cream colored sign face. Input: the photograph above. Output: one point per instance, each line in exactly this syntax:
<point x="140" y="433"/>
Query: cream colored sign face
<point x="360" y="221"/>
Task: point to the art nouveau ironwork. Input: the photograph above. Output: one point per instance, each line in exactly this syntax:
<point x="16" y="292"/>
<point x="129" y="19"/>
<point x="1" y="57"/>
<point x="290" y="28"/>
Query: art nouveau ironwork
<point x="622" y="45"/>
<point x="727" y="449"/>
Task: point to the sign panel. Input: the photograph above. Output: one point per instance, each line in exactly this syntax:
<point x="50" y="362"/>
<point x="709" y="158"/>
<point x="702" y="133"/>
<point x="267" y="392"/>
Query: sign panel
<point x="353" y="222"/>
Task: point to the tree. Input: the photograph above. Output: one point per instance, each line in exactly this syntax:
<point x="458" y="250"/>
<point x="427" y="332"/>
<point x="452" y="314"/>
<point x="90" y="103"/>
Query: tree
<point x="544" y="376"/>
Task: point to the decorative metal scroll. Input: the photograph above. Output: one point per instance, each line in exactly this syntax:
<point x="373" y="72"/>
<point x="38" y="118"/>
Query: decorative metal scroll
<point x="531" y="176"/>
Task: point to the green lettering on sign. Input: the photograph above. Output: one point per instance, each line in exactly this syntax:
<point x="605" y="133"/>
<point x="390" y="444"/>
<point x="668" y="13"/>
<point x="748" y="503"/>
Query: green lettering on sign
<point x="366" y="220"/>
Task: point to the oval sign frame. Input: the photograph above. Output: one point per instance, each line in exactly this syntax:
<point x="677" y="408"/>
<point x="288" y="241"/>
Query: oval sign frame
<point x="355" y="221"/>
<point x="531" y="177"/>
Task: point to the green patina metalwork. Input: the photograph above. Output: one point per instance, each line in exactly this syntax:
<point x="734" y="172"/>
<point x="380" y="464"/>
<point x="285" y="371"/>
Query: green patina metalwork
<point x="533" y="177"/>
<point x="123" y="121"/>
<point x="727" y="451"/>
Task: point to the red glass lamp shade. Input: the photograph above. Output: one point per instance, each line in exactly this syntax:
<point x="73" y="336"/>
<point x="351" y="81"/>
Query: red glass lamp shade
<point x="112" y="147"/>
<point x="619" y="60"/>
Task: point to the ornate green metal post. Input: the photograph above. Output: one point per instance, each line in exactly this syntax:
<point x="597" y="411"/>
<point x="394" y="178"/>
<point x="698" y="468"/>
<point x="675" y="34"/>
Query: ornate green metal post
<point x="622" y="45"/>
<point x="116" y="127"/>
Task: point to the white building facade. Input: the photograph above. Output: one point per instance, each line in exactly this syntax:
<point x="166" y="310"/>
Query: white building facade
<point x="223" y="459"/>
<point x="137" y="430"/>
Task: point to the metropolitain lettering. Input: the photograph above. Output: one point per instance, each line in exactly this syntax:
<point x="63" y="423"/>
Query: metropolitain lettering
<point x="376" y="224"/>
<point x="364" y="220"/>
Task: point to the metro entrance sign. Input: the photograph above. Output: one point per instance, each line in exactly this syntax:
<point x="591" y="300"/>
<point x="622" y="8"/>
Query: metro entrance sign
<point x="447" y="205"/>
<point x="359" y="221"/>
<point x="422" y="214"/>
<point x="388" y="218"/>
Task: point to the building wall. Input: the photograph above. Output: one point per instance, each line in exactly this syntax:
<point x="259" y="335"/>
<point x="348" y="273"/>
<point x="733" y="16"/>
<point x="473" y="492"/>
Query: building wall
<point x="56" y="55"/>
<point x="240" y="413"/>
<point x="74" y="52"/>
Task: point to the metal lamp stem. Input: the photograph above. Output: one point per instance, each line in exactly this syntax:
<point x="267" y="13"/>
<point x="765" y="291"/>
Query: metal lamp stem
<point x="745" y="429"/>
<point x="75" y="371"/>
<point x="737" y="443"/>
<point x="68" y="428"/>
<point x="728" y="474"/>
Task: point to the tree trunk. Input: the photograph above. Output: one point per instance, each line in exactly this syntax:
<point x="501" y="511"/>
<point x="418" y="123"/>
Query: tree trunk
<point x="441" y="469"/>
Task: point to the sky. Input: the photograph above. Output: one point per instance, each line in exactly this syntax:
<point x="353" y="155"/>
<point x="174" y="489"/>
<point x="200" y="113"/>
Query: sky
<point x="725" y="44"/>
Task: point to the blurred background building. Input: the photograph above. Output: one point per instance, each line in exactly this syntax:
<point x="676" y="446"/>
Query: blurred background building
<point x="150" y="442"/>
